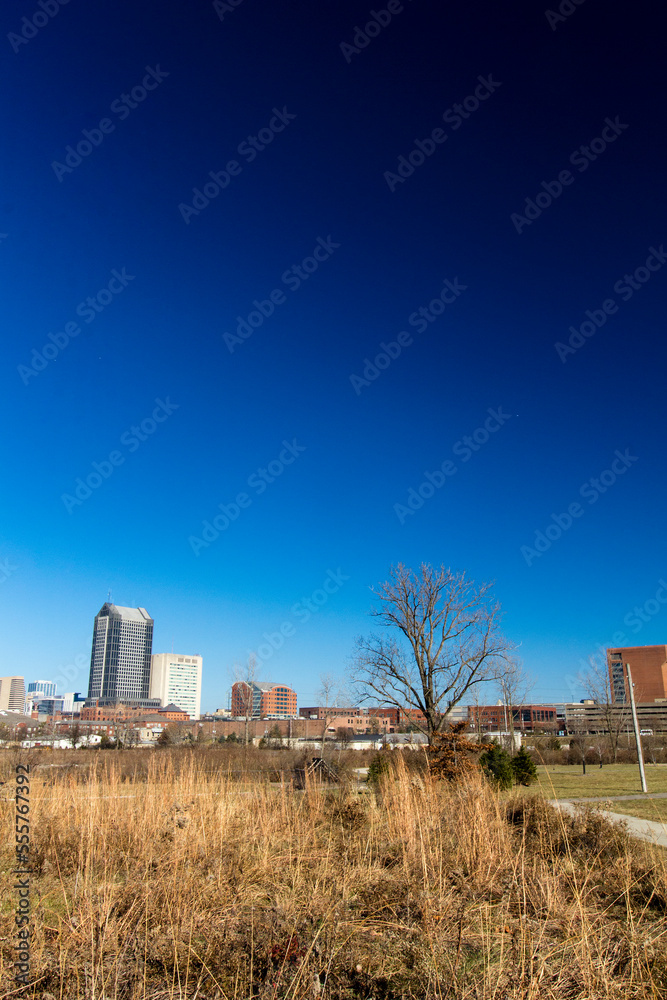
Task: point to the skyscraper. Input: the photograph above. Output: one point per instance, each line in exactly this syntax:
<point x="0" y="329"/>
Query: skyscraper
<point x="120" y="662"/>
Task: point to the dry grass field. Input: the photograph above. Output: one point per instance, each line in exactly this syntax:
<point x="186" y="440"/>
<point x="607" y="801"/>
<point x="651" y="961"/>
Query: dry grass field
<point x="174" y="879"/>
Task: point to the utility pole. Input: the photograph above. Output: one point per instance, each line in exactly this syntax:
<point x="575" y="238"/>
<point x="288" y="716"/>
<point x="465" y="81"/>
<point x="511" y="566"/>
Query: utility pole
<point x="640" y="755"/>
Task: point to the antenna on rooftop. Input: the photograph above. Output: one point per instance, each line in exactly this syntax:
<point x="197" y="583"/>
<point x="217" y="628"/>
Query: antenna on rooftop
<point x="109" y="596"/>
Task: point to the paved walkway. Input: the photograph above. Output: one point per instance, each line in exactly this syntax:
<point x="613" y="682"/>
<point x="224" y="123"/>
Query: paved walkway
<point x="642" y="829"/>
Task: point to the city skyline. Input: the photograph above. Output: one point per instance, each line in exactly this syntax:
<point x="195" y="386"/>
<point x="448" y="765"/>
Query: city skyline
<point x="570" y="687"/>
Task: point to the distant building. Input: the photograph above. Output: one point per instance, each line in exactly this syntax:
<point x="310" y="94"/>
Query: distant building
<point x="47" y="688"/>
<point x="47" y="706"/>
<point x="263" y="699"/>
<point x="648" y="665"/>
<point x="12" y="694"/>
<point x="487" y="718"/>
<point x="105" y="708"/>
<point x="18" y="724"/>
<point x="176" y="678"/>
<point x="120" y="662"/>
<point x="73" y="702"/>
<point x="173" y="714"/>
<point x="355" y="720"/>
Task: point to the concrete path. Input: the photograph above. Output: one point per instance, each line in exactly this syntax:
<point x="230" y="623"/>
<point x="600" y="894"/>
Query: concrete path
<point x="642" y="829"/>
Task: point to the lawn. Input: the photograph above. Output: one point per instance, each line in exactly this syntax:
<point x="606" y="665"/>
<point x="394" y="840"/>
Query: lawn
<point x="563" y="781"/>
<point x="653" y="809"/>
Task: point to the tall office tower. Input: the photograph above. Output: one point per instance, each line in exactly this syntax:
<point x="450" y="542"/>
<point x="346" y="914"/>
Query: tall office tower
<point x="12" y="693"/>
<point x="176" y="680"/>
<point x="47" y="688"/>
<point x="120" y="662"/>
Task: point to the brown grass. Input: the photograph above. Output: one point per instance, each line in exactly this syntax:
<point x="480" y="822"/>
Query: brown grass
<point x="184" y="882"/>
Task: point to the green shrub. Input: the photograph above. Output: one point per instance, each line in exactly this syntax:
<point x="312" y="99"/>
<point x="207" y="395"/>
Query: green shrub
<point x="497" y="766"/>
<point x="523" y="768"/>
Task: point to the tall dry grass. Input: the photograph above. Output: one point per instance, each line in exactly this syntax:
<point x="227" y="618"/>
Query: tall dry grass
<point x="188" y="884"/>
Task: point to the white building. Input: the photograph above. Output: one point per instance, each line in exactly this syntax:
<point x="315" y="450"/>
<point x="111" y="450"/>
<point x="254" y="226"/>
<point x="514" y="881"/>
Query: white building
<point x="12" y="694"/>
<point x="176" y="678"/>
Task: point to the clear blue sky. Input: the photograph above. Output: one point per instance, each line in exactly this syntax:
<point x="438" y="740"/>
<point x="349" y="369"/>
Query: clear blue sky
<point x="308" y="133"/>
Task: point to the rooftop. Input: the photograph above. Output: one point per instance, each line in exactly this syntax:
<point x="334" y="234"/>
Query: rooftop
<point x="127" y="614"/>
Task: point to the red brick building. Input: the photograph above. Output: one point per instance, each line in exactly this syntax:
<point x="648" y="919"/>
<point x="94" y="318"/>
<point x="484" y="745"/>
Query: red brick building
<point x="262" y="699"/>
<point x="498" y="717"/>
<point x="648" y="665"/>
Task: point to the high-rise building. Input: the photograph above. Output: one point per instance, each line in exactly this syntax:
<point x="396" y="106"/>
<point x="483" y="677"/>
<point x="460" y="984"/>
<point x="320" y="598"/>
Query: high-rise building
<point x="262" y="699"/>
<point x="12" y="693"/>
<point x="176" y="679"/>
<point x="648" y="665"/>
<point x="47" y="688"/>
<point x="120" y="662"/>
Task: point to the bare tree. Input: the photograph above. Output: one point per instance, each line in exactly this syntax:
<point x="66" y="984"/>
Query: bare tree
<point x="514" y="684"/>
<point x="613" y="715"/>
<point x="445" y="639"/>
<point x="74" y="735"/>
<point x="245" y="676"/>
<point x="330" y="695"/>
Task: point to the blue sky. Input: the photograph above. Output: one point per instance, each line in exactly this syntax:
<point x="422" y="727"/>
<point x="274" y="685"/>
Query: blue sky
<point x="313" y="238"/>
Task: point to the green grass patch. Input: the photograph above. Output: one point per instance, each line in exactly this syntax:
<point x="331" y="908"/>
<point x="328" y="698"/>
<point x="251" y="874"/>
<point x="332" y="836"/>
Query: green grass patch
<point x="648" y="808"/>
<point x="564" y="781"/>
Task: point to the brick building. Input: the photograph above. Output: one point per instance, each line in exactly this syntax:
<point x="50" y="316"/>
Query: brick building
<point x="649" y="672"/>
<point x="263" y="699"/>
<point x="358" y="720"/>
<point x="527" y="717"/>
